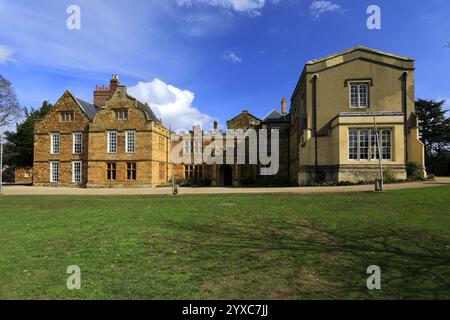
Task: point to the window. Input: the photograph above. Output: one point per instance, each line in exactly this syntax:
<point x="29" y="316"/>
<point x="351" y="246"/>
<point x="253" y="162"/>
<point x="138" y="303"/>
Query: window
<point x="162" y="143"/>
<point x="112" y="142"/>
<point x="54" y="171"/>
<point x="363" y="144"/>
<point x="131" y="170"/>
<point x="27" y="174"/>
<point x="386" y="144"/>
<point x="187" y="147"/>
<point x="55" y="140"/>
<point x="198" y="172"/>
<point x="130" y="137"/>
<point x="121" y="115"/>
<point x="359" y="95"/>
<point x="198" y="147"/>
<point x="111" y="170"/>
<point x="76" y="171"/>
<point x="162" y="171"/>
<point x="353" y="142"/>
<point x="67" y="116"/>
<point x="193" y="172"/>
<point x="188" y="172"/>
<point x="77" y="143"/>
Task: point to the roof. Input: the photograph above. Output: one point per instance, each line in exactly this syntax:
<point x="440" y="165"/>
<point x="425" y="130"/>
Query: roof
<point x="356" y="48"/>
<point x="146" y="108"/>
<point x="275" y="116"/>
<point x="89" y="108"/>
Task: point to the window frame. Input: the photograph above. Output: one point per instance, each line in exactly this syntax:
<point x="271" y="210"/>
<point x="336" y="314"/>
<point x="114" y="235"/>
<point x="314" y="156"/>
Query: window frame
<point x="52" y="142"/>
<point x="131" y="171"/>
<point x="74" y="175"/>
<point x="358" y="85"/>
<point x="121" y="115"/>
<point x="52" y="171"/>
<point x="108" y="141"/>
<point x="127" y="143"/>
<point x="111" y="171"/>
<point x="387" y="146"/>
<point x="74" y="144"/>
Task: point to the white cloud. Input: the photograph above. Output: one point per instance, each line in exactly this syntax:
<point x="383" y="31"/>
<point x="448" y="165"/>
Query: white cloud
<point x="172" y="104"/>
<point x="321" y="6"/>
<point x="5" y="54"/>
<point x="252" y="7"/>
<point x="231" y="56"/>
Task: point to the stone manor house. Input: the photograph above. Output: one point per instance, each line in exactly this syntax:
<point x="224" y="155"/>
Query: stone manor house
<point x="327" y="135"/>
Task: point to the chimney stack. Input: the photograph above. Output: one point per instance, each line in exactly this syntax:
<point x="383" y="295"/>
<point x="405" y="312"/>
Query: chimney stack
<point x="114" y="83"/>
<point x="216" y="125"/>
<point x="101" y="94"/>
<point x="283" y="106"/>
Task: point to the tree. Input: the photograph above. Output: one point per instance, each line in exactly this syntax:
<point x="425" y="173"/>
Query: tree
<point x="9" y="106"/>
<point x="434" y="129"/>
<point x="20" y="144"/>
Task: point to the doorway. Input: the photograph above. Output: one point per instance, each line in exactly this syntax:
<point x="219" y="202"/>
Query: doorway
<point x="226" y="175"/>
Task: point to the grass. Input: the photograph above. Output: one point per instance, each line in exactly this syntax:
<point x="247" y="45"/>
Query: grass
<point x="227" y="246"/>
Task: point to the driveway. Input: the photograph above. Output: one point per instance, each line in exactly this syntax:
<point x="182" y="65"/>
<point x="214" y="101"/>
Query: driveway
<point x="30" y="190"/>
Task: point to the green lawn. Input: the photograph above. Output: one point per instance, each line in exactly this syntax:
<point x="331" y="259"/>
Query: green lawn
<point x="227" y="246"/>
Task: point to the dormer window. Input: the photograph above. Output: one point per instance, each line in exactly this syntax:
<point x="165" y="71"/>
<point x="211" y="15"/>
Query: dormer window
<point x="359" y="95"/>
<point x="67" y="116"/>
<point x="121" y="115"/>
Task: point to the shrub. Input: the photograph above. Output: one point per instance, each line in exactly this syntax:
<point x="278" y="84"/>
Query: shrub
<point x="413" y="171"/>
<point x="389" y="176"/>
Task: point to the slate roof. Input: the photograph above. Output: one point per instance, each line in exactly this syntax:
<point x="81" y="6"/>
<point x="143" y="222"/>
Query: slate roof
<point x="89" y="108"/>
<point x="276" y="116"/>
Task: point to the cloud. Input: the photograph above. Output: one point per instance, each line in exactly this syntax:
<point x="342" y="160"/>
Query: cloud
<point x="321" y="6"/>
<point x="5" y="54"/>
<point x="253" y="7"/>
<point x="172" y="104"/>
<point x="230" y="56"/>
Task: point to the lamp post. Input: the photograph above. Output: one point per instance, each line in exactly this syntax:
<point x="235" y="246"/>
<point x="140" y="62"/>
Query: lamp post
<point x="379" y="184"/>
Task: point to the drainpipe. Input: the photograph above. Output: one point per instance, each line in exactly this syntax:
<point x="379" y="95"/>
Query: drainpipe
<point x="405" y="111"/>
<point x="314" y="106"/>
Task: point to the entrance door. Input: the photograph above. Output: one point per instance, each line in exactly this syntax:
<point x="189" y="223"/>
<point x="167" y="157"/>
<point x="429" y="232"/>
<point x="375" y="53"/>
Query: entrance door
<point x="226" y="175"/>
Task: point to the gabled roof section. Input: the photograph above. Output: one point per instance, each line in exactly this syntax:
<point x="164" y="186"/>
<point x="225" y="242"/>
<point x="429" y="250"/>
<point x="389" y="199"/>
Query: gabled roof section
<point x="272" y="115"/>
<point x="88" y="108"/>
<point x="359" y="48"/>
<point x="275" y="116"/>
<point x="146" y="108"/>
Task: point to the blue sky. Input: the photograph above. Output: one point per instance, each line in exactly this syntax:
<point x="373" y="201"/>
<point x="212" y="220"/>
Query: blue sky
<point x="199" y="60"/>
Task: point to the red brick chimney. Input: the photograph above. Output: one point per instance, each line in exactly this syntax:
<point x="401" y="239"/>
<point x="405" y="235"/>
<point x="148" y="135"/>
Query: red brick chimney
<point x="283" y="106"/>
<point x="101" y="94"/>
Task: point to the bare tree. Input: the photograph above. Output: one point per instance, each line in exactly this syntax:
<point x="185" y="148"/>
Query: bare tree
<point x="447" y="45"/>
<point x="9" y="106"/>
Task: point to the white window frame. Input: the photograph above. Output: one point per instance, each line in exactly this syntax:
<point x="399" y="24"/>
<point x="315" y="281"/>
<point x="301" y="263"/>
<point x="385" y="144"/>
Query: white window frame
<point x="52" y="169"/>
<point x="74" y="173"/>
<point x="187" y="146"/>
<point x="128" y="145"/>
<point x="52" y="143"/>
<point x="74" y="135"/>
<point x="358" y="85"/>
<point x="108" y="142"/>
<point x="372" y="146"/>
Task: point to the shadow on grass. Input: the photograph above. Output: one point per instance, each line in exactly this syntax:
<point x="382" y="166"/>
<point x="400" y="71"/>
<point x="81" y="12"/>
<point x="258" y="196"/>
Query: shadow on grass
<point x="414" y="265"/>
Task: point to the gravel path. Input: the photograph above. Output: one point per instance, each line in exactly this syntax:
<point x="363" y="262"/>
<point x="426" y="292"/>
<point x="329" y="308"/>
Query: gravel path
<point x="30" y="190"/>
